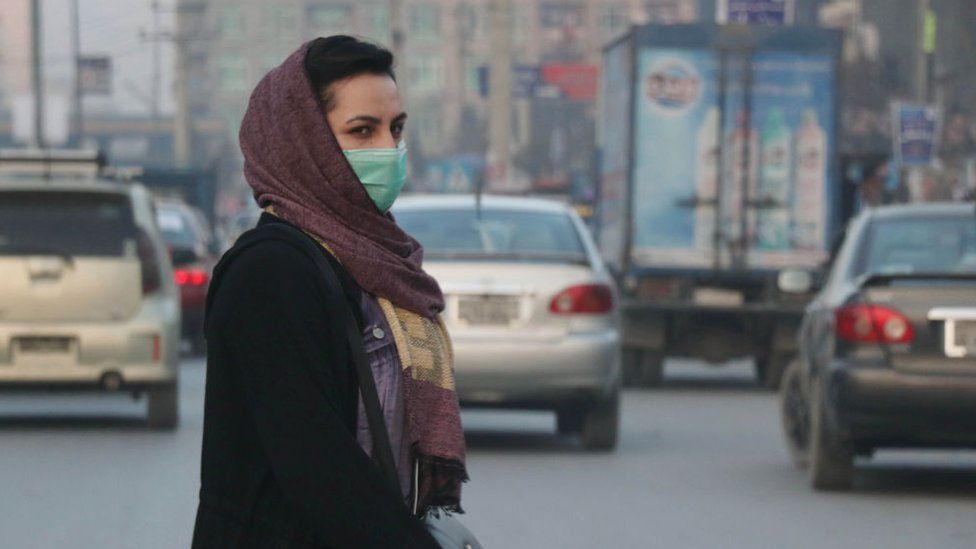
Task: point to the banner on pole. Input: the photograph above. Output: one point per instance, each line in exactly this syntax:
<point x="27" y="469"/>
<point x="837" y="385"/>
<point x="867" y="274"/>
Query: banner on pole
<point x="95" y="75"/>
<point x="916" y="130"/>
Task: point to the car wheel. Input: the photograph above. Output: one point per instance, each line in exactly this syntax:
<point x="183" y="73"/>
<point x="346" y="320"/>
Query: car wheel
<point x="164" y="407"/>
<point x="601" y="424"/>
<point x="569" y="421"/>
<point x="831" y="458"/>
<point x="795" y="414"/>
<point x="651" y="369"/>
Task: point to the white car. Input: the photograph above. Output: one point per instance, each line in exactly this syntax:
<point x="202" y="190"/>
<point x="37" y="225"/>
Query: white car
<point x="530" y="307"/>
<point x="87" y="296"/>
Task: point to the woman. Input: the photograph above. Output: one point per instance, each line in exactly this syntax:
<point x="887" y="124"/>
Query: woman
<point x="286" y="445"/>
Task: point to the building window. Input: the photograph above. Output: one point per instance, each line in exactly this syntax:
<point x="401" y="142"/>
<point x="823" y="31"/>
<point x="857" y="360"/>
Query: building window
<point x="232" y="74"/>
<point x="426" y="73"/>
<point x="329" y="18"/>
<point x="561" y="16"/>
<point x="230" y="22"/>
<point x="474" y="19"/>
<point x="425" y="21"/>
<point x="521" y="24"/>
<point x="614" y="20"/>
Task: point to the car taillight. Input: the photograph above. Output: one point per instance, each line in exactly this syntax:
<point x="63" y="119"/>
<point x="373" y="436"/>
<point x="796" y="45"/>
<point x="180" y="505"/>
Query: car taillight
<point x="583" y="299"/>
<point x="151" y="281"/>
<point x="190" y="277"/>
<point x="873" y="324"/>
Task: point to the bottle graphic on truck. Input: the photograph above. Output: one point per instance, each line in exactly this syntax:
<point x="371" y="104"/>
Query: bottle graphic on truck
<point x="809" y="202"/>
<point x="773" y="219"/>
<point x="706" y="188"/>
<point x="737" y="140"/>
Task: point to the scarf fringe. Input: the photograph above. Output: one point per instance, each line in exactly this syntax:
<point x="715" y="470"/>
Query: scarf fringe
<point x="441" y="485"/>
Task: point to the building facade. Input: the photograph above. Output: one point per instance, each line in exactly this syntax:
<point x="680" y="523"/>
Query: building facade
<point x="225" y="46"/>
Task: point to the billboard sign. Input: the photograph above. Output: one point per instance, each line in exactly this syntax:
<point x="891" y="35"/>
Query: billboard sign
<point x="691" y="178"/>
<point x="755" y="12"/>
<point x="571" y="81"/>
<point x="916" y="133"/>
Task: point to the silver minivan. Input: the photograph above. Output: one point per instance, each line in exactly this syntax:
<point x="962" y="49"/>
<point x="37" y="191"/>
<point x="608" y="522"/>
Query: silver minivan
<point x="87" y="296"/>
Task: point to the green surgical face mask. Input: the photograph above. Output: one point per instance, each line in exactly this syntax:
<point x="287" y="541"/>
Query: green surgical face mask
<point x="382" y="171"/>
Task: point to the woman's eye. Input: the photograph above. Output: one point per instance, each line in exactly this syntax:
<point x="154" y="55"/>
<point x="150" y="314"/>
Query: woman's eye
<point x="363" y="131"/>
<point x="397" y="130"/>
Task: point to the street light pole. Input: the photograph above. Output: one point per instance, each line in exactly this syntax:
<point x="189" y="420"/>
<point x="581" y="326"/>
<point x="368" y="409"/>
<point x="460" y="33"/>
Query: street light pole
<point x="37" y="79"/>
<point x="79" y="127"/>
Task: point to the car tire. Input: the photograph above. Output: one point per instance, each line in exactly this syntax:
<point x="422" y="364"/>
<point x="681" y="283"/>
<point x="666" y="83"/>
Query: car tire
<point x="569" y="421"/>
<point x="831" y="458"/>
<point x="651" y="369"/>
<point x="164" y="407"/>
<point x="601" y="424"/>
<point x="794" y="410"/>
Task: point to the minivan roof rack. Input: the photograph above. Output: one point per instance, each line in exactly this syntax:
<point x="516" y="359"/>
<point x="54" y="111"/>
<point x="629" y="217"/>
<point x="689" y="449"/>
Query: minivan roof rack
<point x="49" y="163"/>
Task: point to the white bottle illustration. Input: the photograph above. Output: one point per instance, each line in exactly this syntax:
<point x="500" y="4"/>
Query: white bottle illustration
<point x="706" y="187"/>
<point x="809" y="197"/>
<point x="773" y="218"/>
<point x="732" y="183"/>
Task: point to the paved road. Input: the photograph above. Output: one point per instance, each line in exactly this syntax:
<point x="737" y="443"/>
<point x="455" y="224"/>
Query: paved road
<point x="700" y="464"/>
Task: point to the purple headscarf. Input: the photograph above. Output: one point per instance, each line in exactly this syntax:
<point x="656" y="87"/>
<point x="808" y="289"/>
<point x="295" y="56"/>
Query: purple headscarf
<point x="294" y="163"/>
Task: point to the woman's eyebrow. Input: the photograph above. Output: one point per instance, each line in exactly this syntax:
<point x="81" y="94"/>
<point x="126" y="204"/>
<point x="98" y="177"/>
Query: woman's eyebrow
<point x="400" y="118"/>
<point x="364" y="118"/>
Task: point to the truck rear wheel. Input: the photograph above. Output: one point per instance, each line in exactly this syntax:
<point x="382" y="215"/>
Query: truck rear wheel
<point x="831" y="458"/>
<point x="769" y="370"/>
<point x="651" y="368"/>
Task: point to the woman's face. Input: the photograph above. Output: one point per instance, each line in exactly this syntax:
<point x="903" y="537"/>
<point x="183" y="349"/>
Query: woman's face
<point x="366" y="112"/>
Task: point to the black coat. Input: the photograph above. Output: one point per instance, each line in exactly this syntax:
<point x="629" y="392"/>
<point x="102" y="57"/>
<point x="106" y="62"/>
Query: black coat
<point x="281" y="466"/>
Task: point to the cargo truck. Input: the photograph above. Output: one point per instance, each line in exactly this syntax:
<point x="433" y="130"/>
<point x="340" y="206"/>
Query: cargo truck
<point x="718" y="194"/>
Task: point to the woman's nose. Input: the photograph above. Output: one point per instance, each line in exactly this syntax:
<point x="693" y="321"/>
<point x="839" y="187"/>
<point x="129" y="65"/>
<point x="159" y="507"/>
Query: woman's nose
<point x="387" y="141"/>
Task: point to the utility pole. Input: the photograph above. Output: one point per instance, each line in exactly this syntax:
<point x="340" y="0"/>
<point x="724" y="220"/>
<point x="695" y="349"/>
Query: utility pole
<point x="37" y="79"/>
<point x="79" y="121"/>
<point x="181" y="120"/>
<point x="500" y="92"/>
<point x="154" y="4"/>
<point x="922" y="53"/>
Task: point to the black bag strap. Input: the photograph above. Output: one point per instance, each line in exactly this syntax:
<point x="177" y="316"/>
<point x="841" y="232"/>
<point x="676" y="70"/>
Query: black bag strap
<point x="382" y="451"/>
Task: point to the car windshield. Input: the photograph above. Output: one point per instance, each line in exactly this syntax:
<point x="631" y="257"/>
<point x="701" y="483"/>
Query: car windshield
<point x="65" y="224"/>
<point x="177" y="228"/>
<point x="496" y="234"/>
<point x="922" y="244"/>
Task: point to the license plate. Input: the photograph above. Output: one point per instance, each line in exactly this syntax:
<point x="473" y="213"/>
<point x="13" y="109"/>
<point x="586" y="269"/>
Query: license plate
<point x="718" y="297"/>
<point x="46" y="345"/>
<point x="964" y="338"/>
<point x="488" y="310"/>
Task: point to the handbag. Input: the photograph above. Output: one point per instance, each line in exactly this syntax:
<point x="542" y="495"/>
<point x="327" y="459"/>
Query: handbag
<point x="447" y="531"/>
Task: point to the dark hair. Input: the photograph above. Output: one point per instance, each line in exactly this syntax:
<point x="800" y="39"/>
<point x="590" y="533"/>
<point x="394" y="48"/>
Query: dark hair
<point x="339" y="57"/>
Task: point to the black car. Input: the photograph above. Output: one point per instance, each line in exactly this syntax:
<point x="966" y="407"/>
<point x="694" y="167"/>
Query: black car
<point x="192" y="250"/>
<point x="888" y="347"/>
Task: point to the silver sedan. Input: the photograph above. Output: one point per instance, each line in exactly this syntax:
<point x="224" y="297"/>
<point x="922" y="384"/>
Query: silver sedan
<point x="530" y="307"/>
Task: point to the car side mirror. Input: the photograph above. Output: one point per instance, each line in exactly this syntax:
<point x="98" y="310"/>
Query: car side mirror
<point x="795" y="281"/>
